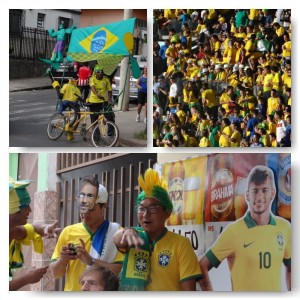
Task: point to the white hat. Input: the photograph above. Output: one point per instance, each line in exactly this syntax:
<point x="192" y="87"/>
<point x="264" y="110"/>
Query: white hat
<point x="226" y="66"/>
<point x="241" y="66"/>
<point x="189" y="61"/>
<point x="247" y="67"/>
<point x="102" y="194"/>
<point x="235" y="68"/>
<point x="217" y="67"/>
<point x="181" y="52"/>
<point x="205" y="70"/>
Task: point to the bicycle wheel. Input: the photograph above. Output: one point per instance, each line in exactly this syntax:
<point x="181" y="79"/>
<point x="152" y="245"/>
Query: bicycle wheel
<point x="105" y="134"/>
<point x="55" y="126"/>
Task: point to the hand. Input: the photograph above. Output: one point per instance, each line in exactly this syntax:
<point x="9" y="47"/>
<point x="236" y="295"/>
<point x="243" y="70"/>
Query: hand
<point x="35" y="275"/>
<point x="67" y="254"/>
<point x="82" y="254"/>
<point x="50" y="231"/>
<point x="132" y="238"/>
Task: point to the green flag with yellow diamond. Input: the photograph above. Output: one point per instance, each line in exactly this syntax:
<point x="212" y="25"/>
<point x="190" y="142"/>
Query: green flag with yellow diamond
<point x="107" y="43"/>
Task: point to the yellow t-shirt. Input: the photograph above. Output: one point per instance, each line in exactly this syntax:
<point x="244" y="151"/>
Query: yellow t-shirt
<point x="225" y="98"/>
<point x="102" y="86"/>
<point x="69" y="90"/>
<point x="204" y="142"/>
<point x="223" y="141"/>
<point x="210" y="98"/>
<point x="280" y="31"/>
<point x="276" y="82"/>
<point x="256" y="253"/>
<point x="182" y="116"/>
<point x="221" y="76"/>
<point x="272" y="105"/>
<point x="173" y="261"/>
<point x="72" y="234"/>
<point x="237" y="136"/>
<point x="268" y="82"/>
<point x="287" y="51"/>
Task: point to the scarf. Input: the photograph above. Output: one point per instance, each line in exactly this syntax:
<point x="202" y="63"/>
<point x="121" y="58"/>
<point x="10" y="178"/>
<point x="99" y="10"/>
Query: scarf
<point x="101" y="249"/>
<point x="16" y="258"/>
<point x="135" y="272"/>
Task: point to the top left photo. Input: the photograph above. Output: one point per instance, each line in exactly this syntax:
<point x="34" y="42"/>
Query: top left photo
<point x="78" y="78"/>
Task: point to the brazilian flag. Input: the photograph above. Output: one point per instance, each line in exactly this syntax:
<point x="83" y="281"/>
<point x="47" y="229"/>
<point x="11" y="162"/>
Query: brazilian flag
<point x="107" y="43"/>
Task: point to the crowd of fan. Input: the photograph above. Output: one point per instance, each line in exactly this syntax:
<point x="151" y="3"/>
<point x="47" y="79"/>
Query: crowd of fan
<point x="222" y="78"/>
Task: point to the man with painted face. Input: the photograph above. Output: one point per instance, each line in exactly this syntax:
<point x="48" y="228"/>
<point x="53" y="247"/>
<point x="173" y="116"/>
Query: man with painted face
<point x="22" y="233"/>
<point x="89" y="242"/>
<point x="155" y="259"/>
<point x="256" y="246"/>
<point x="101" y="94"/>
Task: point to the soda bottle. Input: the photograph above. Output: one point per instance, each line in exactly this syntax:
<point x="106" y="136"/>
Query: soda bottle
<point x="222" y="189"/>
<point x="175" y="188"/>
<point x="284" y="186"/>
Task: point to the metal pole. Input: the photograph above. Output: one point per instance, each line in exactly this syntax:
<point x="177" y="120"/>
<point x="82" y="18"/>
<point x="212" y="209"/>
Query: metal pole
<point x="124" y="84"/>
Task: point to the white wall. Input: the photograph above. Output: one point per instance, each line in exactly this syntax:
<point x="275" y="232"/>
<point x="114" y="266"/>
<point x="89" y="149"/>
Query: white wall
<point x="51" y="16"/>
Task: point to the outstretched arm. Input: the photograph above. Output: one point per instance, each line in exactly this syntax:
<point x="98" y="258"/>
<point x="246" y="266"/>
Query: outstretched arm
<point x="31" y="276"/>
<point x="128" y="237"/>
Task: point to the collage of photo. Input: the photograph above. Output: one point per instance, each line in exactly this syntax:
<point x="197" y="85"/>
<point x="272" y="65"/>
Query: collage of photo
<point x="140" y="216"/>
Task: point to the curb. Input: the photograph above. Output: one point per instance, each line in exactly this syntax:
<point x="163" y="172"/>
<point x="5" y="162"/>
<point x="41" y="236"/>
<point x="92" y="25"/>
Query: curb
<point x="126" y="143"/>
<point x="30" y="89"/>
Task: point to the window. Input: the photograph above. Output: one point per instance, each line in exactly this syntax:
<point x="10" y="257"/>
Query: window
<point x="67" y="22"/>
<point x="40" y="21"/>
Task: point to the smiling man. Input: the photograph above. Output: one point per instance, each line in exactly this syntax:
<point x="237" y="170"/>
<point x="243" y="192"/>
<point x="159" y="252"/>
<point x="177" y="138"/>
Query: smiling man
<point x="256" y="246"/>
<point x="89" y="242"/>
<point x="156" y="259"/>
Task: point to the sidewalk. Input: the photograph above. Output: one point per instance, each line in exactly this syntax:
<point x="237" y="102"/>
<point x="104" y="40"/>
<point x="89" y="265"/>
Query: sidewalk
<point x="124" y="120"/>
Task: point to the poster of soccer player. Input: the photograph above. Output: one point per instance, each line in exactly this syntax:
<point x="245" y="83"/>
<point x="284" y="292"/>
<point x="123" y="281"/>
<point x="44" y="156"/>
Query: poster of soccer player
<point x="236" y="210"/>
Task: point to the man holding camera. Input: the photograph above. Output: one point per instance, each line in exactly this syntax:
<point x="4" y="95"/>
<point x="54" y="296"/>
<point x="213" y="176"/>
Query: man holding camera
<point x="89" y="242"/>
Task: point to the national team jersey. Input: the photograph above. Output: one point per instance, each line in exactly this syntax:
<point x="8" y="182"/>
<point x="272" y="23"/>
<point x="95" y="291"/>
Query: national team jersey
<point x="173" y="261"/>
<point x="70" y="92"/>
<point x="72" y="234"/>
<point x="223" y="141"/>
<point x="102" y="86"/>
<point x="254" y="253"/>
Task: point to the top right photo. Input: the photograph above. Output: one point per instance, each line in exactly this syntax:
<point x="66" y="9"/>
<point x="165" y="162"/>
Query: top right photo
<point x="222" y="77"/>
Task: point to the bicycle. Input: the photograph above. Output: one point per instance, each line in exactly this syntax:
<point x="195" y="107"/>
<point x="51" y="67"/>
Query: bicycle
<point x="105" y="133"/>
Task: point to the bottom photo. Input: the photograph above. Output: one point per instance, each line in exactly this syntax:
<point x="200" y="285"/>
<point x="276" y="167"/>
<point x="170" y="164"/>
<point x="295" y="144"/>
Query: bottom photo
<point x="150" y="222"/>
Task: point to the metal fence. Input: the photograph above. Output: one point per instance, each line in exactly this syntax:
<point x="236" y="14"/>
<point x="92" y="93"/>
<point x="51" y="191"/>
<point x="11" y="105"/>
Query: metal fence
<point x="30" y="44"/>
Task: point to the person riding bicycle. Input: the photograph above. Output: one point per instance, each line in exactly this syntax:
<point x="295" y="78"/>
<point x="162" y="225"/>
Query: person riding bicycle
<point x="101" y="95"/>
<point x="69" y="95"/>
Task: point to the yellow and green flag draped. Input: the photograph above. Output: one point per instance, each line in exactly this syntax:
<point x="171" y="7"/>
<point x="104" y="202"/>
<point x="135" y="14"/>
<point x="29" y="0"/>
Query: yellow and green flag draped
<point x="107" y="43"/>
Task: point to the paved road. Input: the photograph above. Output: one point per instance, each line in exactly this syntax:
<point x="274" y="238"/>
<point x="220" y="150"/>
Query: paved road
<point x="29" y="112"/>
